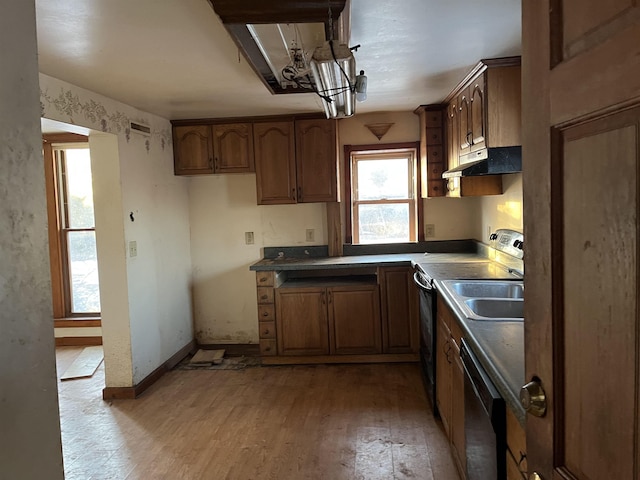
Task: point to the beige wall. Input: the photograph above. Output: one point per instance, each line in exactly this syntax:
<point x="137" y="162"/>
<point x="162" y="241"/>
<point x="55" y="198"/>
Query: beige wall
<point x="30" y="446"/>
<point x="503" y="211"/>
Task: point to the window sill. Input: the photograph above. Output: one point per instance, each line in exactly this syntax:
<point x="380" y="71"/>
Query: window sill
<point x="77" y="322"/>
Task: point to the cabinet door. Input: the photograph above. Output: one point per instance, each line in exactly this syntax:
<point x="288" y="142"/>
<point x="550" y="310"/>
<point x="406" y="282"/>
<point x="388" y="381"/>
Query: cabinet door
<point x="453" y="146"/>
<point x="301" y="321"/>
<point x="477" y="114"/>
<point x="464" y="123"/>
<point x="275" y="162"/>
<point x="399" y="299"/>
<point x="354" y="319"/>
<point x="233" y="148"/>
<point x="316" y="160"/>
<point x="457" y="409"/>
<point x="443" y="375"/>
<point x="192" y="150"/>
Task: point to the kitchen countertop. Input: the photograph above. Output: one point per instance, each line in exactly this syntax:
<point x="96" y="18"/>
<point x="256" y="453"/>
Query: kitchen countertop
<point x="356" y="261"/>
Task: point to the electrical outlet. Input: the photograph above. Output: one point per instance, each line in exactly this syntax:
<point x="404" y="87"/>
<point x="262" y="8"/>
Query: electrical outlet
<point x="430" y="230"/>
<point x="133" y="248"/>
<point x="248" y="238"/>
<point x="311" y="235"/>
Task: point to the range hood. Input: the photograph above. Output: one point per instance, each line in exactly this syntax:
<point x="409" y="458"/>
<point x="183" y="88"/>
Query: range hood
<point x="489" y="161"/>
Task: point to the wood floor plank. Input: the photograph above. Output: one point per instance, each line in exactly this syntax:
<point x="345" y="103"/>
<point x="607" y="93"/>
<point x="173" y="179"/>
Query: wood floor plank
<point x="85" y="364"/>
<point x="336" y="422"/>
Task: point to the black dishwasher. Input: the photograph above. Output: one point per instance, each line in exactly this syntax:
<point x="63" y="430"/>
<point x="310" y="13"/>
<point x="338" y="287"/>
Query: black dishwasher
<point x="484" y="422"/>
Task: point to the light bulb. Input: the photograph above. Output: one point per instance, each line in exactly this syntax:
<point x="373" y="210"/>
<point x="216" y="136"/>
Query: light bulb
<point x="361" y="87"/>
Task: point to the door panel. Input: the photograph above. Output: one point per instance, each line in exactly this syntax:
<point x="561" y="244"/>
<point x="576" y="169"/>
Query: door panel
<point x="598" y="314"/>
<point x="581" y="97"/>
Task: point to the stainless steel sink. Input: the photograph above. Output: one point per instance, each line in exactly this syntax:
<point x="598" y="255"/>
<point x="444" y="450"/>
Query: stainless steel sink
<point x="496" y="308"/>
<point x="487" y="288"/>
<point x="488" y="300"/>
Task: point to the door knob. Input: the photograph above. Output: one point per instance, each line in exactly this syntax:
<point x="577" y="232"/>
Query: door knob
<point x="533" y="398"/>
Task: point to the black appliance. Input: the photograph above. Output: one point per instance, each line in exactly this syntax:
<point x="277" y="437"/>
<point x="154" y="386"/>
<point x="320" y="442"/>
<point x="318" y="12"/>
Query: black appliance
<point x="484" y="422"/>
<point x="427" y="295"/>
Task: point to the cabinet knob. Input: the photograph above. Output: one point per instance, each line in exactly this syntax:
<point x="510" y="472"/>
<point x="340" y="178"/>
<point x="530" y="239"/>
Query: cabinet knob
<point x="263" y="297"/>
<point x="265" y="314"/>
<point x="266" y="331"/>
<point x="533" y="398"/>
<point x="262" y="279"/>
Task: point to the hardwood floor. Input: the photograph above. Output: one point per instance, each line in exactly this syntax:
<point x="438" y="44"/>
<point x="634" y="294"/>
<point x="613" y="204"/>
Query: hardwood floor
<point x="328" y="422"/>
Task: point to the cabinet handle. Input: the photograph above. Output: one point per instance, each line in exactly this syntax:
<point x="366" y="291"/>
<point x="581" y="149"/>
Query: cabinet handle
<point x="470" y="138"/>
<point x="263" y="297"/>
<point x="265" y="314"/>
<point x="324" y="298"/>
<point x="216" y="163"/>
<point x="329" y="298"/>
<point x="262" y="279"/>
<point x="210" y="162"/>
<point x="293" y="193"/>
<point x="299" y="194"/>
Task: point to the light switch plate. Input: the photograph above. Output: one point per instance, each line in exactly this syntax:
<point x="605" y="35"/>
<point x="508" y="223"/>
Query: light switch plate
<point x="311" y="235"/>
<point x="248" y="238"/>
<point x="133" y="248"/>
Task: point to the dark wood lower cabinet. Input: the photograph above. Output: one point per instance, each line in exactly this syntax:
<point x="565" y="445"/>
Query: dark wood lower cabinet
<point x="332" y="320"/>
<point x="301" y="315"/>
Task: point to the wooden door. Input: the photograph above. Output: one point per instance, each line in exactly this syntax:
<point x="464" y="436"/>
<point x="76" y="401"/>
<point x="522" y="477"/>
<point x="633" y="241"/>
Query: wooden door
<point x="581" y="118"/>
<point x="316" y="160"/>
<point x="301" y="321"/>
<point x="233" y="148"/>
<point x="477" y="114"/>
<point x="192" y="150"/>
<point x="275" y="162"/>
<point x="354" y="319"/>
<point x="400" y="310"/>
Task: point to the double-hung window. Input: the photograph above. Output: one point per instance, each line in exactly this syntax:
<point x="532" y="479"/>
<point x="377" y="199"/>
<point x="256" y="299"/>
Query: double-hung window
<point x="384" y="199"/>
<point x="72" y="235"/>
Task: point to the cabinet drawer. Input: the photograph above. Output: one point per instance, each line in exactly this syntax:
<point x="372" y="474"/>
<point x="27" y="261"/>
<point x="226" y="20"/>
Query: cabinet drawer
<point x="266" y="313"/>
<point x="433" y="119"/>
<point x="265" y="295"/>
<point x="267" y="329"/>
<point x="434" y="136"/>
<point x="268" y="346"/>
<point x="264" y="279"/>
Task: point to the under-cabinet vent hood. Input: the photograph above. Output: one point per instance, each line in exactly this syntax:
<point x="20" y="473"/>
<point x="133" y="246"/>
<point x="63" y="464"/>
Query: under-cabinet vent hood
<point x="489" y="161"/>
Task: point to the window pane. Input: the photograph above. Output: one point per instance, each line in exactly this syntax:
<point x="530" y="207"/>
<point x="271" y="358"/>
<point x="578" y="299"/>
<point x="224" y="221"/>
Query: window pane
<point x="383" y="223"/>
<point x="383" y="179"/>
<point x="83" y="263"/>
<point x="80" y="192"/>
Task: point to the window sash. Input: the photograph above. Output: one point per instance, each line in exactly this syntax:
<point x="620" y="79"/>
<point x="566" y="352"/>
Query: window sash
<point x="408" y="154"/>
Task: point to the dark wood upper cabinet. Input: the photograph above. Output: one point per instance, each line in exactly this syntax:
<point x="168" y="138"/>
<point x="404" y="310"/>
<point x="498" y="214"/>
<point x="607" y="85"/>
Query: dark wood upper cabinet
<point x="275" y="162"/>
<point x="192" y="150"/>
<point x="206" y="149"/>
<point x="316" y="160"/>
<point x="233" y="148"/>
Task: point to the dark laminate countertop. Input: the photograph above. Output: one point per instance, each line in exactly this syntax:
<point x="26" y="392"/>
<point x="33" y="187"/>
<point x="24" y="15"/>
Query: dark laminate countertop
<point x="356" y="261"/>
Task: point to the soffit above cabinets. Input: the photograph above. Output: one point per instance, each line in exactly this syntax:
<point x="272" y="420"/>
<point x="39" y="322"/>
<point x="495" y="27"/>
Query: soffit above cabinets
<point x="267" y="31"/>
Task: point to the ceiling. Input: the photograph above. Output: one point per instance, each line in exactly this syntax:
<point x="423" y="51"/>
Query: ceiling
<point x="174" y="58"/>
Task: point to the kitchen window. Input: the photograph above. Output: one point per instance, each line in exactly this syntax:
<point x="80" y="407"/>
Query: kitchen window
<point x="384" y="201"/>
<point x="72" y="236"/>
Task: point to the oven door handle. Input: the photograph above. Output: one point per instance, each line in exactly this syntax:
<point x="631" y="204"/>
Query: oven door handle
<point x="418" y="282"/>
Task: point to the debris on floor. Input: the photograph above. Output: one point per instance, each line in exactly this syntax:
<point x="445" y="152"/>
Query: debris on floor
<point x="85" y="364"/>
<point x="207" y="357"/>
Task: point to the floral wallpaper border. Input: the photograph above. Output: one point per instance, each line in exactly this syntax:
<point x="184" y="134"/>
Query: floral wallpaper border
<point x="69" y="104"/>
